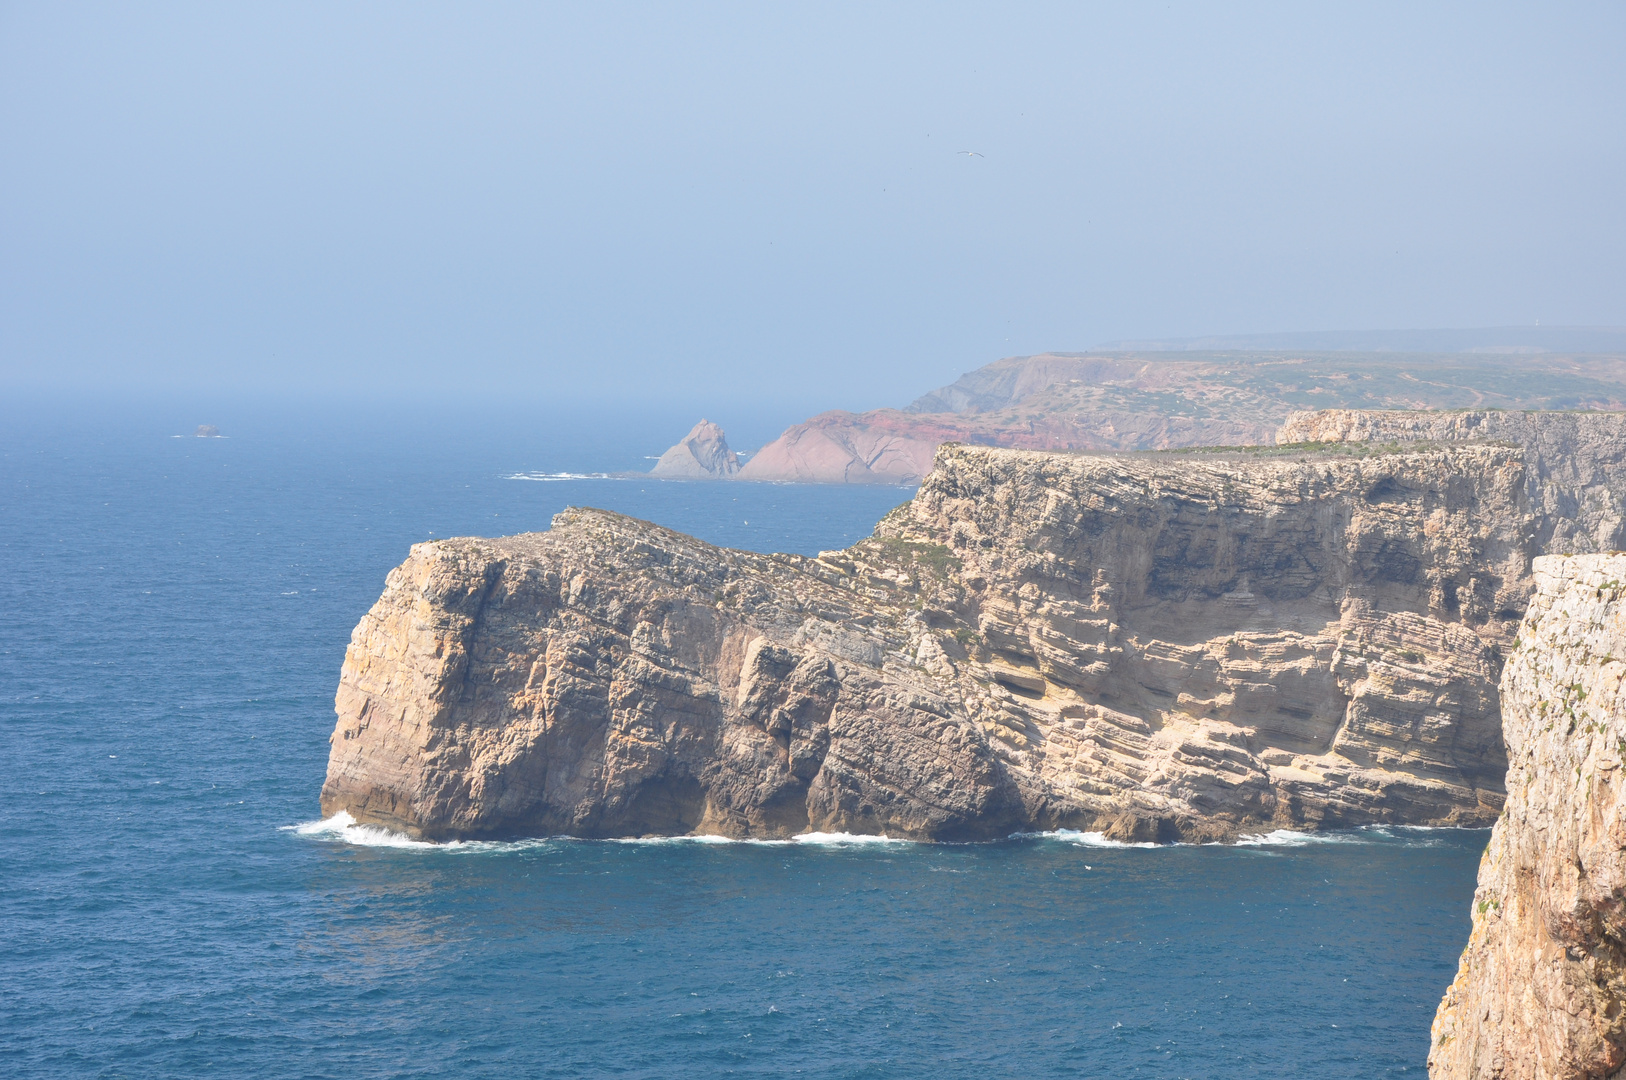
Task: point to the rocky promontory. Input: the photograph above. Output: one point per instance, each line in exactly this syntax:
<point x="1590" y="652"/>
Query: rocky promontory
<point x="1575" y="462"/>
<point x="1541" y="988"/>
<point x="1155" y="400"/>
<point x="1155" y="646"/>
<point x="702" y="454"/>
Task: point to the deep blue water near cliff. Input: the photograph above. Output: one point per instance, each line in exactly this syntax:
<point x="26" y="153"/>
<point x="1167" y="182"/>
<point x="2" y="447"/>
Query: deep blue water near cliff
<point x="175" y="614"/>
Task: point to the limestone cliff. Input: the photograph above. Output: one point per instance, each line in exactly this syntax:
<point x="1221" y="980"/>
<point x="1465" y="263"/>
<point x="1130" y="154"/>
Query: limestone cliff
<point x="1156" y="646"/>
<point x="1541" y="989"/>
<point x="702" y="454"/>
<point x="1575" y="471"/>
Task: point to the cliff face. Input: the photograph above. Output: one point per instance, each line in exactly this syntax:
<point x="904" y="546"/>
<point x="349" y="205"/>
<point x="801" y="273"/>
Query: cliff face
<point x="1541" y="990"/>
<point x="891" y="446"/>
<point x="841" y="448"/>
<point x="611" y="678"/>
<point x="702" y="454"/>
<point x="1154" y="646"/>
<point x="1575" y="462"/>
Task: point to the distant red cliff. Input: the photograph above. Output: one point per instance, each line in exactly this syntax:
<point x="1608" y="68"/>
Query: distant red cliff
<point x="1163" y="401"/>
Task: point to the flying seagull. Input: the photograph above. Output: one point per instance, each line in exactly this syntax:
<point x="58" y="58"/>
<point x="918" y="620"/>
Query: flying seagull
<point x="970" y="153"/>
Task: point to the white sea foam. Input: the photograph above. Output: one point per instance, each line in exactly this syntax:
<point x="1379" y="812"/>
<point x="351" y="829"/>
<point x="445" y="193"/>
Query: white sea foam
<point x="1295" y="838"/>
<point x="827" y="839"/>
<point x="696" y="838"/>
<point x="342" y="827"/>
<point x="1086" y="839"/>
<point x="1408" y="835"/>
<point x="546" y="477"/>
<point x="835" y="838"/>
<point x="1365" y="834"/>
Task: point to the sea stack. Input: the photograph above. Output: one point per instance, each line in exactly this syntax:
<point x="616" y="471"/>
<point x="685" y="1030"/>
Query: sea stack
<point x="1541" y="988"/>
<point x="702" y="454"/>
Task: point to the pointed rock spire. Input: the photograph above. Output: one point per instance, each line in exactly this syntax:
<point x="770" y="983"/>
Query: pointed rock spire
<point x="702" y="455"/>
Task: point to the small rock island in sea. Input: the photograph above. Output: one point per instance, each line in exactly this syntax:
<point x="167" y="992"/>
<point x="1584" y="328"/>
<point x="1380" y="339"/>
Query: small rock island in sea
<point x="206" y="431"/>
<point x="702" y="454"/>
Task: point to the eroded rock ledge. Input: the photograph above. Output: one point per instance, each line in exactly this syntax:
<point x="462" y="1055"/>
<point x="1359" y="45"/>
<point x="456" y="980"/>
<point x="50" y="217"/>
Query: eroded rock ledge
<point x="1575" y="462"/>
<point x="1541" y="989"/>
<point x="1184" y="645"/>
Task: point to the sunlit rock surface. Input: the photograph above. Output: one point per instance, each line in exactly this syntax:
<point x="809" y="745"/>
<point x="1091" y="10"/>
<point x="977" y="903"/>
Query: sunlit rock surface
<point x="1575" y="472"/>
<point x="1154" y="646"/>
<point x="1542" y="984"/>
<point x="702" y="454"/>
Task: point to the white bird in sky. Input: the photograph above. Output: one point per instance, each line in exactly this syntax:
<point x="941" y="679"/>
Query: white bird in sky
<point x="969" y="153"/>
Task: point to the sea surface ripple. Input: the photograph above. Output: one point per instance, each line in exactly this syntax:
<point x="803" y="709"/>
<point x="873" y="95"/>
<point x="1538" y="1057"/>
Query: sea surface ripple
<point x="177" y="611"/>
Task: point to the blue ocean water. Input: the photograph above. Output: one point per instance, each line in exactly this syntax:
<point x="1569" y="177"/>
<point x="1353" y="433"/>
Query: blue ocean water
<point x="176" y="611"/>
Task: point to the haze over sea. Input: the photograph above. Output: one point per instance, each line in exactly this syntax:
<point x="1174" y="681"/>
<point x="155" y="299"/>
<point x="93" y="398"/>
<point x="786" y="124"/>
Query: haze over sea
<point x="177" y="610"/>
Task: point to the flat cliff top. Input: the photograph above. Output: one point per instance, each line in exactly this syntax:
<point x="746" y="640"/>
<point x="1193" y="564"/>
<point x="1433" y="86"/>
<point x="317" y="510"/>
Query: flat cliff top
<point x="1213" y="464"/>
<point x="1304" y="450"/>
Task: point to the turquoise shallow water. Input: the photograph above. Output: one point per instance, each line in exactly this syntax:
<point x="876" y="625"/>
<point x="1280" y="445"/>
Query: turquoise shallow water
<point x="176" y="614"/>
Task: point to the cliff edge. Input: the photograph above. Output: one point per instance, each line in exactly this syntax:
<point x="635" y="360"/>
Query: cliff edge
<point x="1156" y="646"/>
<point x="1575" y="462"/>
<point x="1541" y="988"/>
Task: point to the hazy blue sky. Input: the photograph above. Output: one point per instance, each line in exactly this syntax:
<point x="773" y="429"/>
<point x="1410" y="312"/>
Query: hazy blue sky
<point x="765" y="201"/>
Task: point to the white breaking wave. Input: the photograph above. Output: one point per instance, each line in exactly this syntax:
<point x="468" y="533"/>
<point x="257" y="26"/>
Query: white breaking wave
<point x="1367" y="834"/>
<point x="1087" y="839"/>
<point x="833" y="838"/>
<point x="1294" y="838"/>
<point x="342" y="828"/>
<point x="546" y="477"/>
<point x="695" y="838"/>
<point x="1407" y="835"/>
<point x="829" y="839"/>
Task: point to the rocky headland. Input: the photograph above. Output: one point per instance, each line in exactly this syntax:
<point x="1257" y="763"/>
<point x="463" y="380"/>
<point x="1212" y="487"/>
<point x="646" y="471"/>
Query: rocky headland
<point x="1575" y="474"/>
<point x="1155" y="646"/>
<point x="702" y="454"/>
<point x="1143" y="400"/>
<point x="1541" y="988"/>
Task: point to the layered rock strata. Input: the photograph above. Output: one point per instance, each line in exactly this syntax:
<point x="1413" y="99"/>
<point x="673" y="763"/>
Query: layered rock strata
<point x="1541" y="988"/>
<point x="1575" y="462"/>
<point x="1154" y="646"/>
